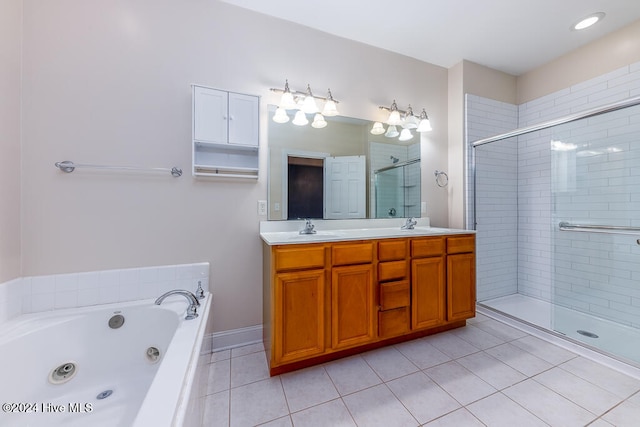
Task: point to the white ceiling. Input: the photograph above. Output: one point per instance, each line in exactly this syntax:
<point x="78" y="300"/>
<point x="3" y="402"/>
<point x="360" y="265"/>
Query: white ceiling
<point x="513" y="36"/>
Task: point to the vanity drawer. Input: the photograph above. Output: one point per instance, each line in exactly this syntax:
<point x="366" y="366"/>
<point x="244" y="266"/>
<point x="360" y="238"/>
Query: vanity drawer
<point x="394" y="295"/>
<point x="462" y="244"/>
<point x="353" y="253"/>
<point x="392" y="250"/>
<point x="430" y="246"/>
<point x="392" y="270"/>
<point x="392" y="323"/>
<point x="297" y="257"/>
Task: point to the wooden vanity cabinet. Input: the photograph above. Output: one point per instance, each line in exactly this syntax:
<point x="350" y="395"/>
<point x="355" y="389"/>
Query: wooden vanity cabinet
<point x="394" y="317"/>
<point x="461" y="277"/>
<point x="352" y="295"/>
<point x="428" y="282"/>
<point x="327" y="300"/>
<point x="299" y="301"/>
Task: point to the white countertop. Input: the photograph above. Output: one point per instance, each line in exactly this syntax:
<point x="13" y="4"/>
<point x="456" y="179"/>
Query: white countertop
<point x="331" y="231"/>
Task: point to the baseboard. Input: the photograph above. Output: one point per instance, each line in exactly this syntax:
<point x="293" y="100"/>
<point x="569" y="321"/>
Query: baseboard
<point x="233" y="338"/>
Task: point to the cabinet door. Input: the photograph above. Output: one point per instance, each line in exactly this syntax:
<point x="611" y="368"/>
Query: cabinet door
<point x="299" y="315"/>
<point x="210" y="115"/>
<point x="243" y="119"/>
<point x="427" y="292"/>
<point x="353" y="313"/>
<point x="461" y="286"/>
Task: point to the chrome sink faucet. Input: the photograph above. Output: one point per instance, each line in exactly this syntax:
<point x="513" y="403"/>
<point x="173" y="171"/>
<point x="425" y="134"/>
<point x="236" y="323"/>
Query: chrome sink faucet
<point x="192" y="310"/>
<point x="411" y="222"/>
<point x="308" y="228"/>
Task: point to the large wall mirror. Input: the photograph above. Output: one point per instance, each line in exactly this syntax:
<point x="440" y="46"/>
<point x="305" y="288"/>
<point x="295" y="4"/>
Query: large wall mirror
<point x="341" y="171"/>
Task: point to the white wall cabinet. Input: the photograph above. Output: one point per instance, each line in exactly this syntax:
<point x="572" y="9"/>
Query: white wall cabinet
<point x="225" y="133"/>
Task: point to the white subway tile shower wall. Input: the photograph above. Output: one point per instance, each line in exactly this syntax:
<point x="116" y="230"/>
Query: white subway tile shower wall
<point x="587" y="274"/>
<point x="381" y="157"/>
<point x="497" y="186"/>
<point x="42" y="293"/>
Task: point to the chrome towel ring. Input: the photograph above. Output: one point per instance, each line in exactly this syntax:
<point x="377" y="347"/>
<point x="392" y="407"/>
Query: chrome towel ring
<point x="442" y="179"/>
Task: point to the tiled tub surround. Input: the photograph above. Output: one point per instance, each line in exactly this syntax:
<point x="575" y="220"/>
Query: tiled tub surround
<point x="586" y="278"/>
<point x="43" y="293"/>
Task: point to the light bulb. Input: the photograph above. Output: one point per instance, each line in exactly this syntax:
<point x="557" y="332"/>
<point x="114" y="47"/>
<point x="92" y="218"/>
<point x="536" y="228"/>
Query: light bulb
<point x="300" y="119"/>
<point x="280" y="115"/>
<point x="377" y="129"/>
<point x="318" y="121"/>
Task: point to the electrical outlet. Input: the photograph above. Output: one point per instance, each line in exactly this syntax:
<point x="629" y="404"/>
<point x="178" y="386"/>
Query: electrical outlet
<point x="423" y="207"/>
<point x="262" y="207"/>
<point x="276" y="207"/>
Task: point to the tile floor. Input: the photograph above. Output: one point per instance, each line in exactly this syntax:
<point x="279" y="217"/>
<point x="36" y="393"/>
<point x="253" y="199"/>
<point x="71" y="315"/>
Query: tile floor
<point x="485" y="374"/>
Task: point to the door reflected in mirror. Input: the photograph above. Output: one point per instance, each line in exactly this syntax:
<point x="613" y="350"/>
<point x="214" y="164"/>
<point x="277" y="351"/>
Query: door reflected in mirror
<point x="331" y="173"/>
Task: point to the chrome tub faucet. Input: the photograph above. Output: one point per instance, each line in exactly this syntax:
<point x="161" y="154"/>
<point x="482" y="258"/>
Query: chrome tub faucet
<point x="192" y="310"/>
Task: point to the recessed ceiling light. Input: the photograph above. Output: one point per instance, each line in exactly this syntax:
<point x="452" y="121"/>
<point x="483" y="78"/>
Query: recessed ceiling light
<point x="588" y="21"/>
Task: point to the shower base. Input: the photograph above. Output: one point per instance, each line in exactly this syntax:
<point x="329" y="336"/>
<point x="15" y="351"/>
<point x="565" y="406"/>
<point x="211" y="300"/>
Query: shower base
<point x="619" y="341"/>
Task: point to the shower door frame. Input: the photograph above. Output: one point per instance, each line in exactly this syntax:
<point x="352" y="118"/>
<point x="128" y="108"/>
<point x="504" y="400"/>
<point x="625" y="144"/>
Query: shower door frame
<point x="620" y="105"/>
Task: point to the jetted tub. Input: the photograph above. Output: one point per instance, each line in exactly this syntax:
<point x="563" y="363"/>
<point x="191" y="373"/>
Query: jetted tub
<point x="84" y="367"/>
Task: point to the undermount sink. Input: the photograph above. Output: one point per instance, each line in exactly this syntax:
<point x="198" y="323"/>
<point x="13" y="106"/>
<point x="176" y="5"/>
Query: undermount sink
<point x="316" y="235"/>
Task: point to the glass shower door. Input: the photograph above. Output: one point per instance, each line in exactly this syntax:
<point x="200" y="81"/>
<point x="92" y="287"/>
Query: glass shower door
<point x="595" y="231"/>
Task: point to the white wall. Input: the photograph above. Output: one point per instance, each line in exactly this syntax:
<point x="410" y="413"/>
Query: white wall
<point x="109" y="83"/>
<point x="10" y="35"/>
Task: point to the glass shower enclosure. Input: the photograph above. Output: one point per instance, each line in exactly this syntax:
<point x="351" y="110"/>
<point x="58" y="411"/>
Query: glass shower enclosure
<point x="397" y="190"/>
<point x="557" y="215"/>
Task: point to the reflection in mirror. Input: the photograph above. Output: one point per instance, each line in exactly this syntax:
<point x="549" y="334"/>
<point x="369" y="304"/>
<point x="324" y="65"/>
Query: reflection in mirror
<point x="341" y="171"/>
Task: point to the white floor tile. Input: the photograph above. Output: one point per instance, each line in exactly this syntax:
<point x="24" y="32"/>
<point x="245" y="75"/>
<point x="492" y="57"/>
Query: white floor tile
<point x="544" y="349"/>
<point x="422" y="354"/>
<point x="498" y="410"/>
<point x="589" y="396"/>
<point x="451" y="345"/>
<point x="617" y="383"/>
<point x="549" y="406"/>
<point x="460" y="383"/>
<point x="247" y="369"/>
<point x="280" y="422"/>
<point x="477" y="337"/>
<point x="217" y="356"/>
<point x="422" y="397"/>
<point x="219" y="378"/>
<point x="351" y="374"/>
<point x="377" y="406"/>
<point x="216" y="410"/>
<point x="333" y="413"/>
<point x="627" y="414"/>
<point x="491" y="370"/>
<point x="459" y="418"/>
<point x="519" y="359"/>
<point x="247" y="349"/>
<point x="389" y="363"/>
<point x="500" y="330"/>
<point x="308" y="387"/>
<point x="257" y="403"/>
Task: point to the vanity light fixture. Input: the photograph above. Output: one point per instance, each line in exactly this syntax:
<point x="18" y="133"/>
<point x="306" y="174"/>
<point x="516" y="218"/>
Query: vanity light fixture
<point x="424" y="125"/>
<point x="588" y="21"/>
<point x="300" y="119"/>
<point x="377" y="129"/>
<point x="392" y="132"/>
<point x="405" y="135"/>
<point x="280" y="115"/>
<point x="330" y="108"/>
<point x="406" y="119"/>
<point x="304" y="103"/>
<point x="318" y="121"/>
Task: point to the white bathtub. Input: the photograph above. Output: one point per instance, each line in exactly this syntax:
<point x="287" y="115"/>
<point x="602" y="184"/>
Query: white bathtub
<point x="143" y="393"/>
